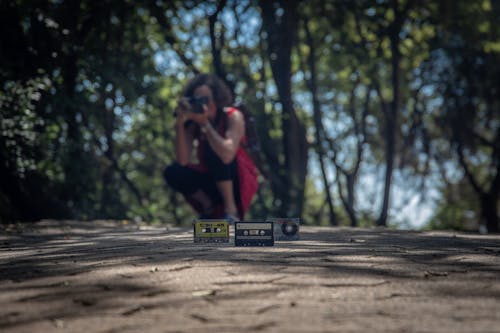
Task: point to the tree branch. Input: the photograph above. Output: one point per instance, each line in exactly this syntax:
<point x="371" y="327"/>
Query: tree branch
<point x="170" y="37"/>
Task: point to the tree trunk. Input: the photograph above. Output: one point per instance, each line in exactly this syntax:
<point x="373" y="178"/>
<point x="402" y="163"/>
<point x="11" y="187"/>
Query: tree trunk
<point x="351" y="181"/>
<point x="281" y="32"/>
<point x="318" y="124"/>
<point x="217" y="44"/>
<point x="391" y="121"/>
<point x="489" y="215"/>
<point x="108" y="193"/>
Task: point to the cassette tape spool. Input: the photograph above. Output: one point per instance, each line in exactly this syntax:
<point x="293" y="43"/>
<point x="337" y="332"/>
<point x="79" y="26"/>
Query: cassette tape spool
<point x="253" y="234"/>
<point x="211" y="231"/>
<point x="286" y="229"/>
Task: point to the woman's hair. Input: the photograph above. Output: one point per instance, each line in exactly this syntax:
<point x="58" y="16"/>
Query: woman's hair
<point x="220" y="91"/>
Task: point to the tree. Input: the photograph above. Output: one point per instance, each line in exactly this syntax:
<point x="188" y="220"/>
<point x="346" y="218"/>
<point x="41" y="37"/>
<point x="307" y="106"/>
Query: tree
<point x="320" y="134"/>
<point x="393" y="93"/>
<point x="279" y="21"/>
<point x="77" y="47"/>
<point x="468" y="83"/>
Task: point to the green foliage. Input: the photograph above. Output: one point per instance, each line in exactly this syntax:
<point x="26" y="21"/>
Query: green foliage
<point x="457" y="210"/>
<point x="88" y="89"/>
<point x="18" y="122"/>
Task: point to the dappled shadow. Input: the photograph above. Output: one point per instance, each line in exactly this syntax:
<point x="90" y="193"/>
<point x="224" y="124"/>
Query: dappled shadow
<point x="71" y="251"/>
<point x="40" y="265"/>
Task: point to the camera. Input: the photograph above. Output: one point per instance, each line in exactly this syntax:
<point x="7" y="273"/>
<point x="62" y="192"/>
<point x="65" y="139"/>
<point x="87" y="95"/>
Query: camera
<point x="197" y="103"/>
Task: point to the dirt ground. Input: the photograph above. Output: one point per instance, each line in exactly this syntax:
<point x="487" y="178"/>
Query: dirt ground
<point x="101" y="276"/>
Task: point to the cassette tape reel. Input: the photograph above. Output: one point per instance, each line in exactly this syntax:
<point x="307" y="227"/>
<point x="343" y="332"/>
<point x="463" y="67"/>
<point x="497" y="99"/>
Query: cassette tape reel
<point x="211" y="231"/>
<point x="286" y="229"/>
<point x="253" y="234"/>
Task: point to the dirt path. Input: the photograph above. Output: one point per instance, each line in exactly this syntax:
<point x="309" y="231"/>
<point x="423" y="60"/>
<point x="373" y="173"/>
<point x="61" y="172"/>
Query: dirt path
<point x="110" y="277"/>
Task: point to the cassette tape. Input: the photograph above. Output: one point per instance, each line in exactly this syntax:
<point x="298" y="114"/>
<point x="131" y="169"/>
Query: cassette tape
<point x="253" y="234"/>
<point x="286" y="229"/>
<point x="211" y="231"/>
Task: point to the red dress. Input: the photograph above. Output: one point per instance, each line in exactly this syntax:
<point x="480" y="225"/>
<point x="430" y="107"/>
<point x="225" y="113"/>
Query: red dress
<point x="247" y="174"/>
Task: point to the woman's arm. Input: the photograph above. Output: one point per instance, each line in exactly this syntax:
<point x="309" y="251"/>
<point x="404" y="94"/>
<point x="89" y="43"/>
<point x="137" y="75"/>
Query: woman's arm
<point x="183" y="140"/>
<point x="227" y="146"/>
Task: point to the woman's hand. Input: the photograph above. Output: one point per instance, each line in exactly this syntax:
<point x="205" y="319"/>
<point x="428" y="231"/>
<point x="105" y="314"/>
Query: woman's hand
<point x="200" y="118"/>
<point x="185" y="112"/>
<point x="181" y="110"/>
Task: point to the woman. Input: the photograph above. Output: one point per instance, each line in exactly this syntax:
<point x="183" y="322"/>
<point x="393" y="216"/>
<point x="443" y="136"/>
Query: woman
<point x="223" y="181"/>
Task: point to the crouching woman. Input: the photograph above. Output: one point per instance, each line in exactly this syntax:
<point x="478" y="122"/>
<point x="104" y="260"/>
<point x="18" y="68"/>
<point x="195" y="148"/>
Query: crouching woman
<point x="221" y="179"/>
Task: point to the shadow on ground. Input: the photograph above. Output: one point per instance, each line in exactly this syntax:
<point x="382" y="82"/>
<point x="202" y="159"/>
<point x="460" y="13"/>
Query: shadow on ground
<point x="70" y="248"/>
<point x="71" y="269"/>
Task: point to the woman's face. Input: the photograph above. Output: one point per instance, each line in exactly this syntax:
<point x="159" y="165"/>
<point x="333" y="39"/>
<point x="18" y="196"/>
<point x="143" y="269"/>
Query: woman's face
<point x="205" y="90"/>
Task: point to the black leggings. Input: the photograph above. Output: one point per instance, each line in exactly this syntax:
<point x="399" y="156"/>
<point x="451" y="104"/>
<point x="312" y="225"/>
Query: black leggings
<point x="187" y="181"/>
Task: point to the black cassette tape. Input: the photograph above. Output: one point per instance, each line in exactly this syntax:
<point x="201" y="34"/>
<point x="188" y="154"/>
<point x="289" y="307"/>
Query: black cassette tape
<point x="211" y="231"/>
<point x="286" y="229"/>
<point x="253" y="234"/>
